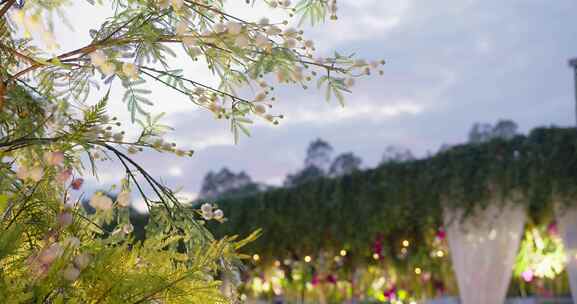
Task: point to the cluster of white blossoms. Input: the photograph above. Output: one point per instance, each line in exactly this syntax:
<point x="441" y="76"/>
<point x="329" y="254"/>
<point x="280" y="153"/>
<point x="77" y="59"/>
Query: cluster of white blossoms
<point x="209" y="212"/>
<point x="103" y="202"/>
<point x="79" y="263"/>
<point x="123" y="199"/>
<point x="41" y="262"/>
<point x="123" y="230"/>
<point x="51" y="161"/>
<point x="163" y="146"/>
<point x="32" y="23"/>
<point x="252" y="38"/>
<point x="279" y="3"/>
<point x="100" y="202"/>
<point x="108" y="67"/>
<point x="176" y="4"/>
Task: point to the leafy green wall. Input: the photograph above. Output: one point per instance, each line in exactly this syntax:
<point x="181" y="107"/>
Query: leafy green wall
<point x="405" y="200"/>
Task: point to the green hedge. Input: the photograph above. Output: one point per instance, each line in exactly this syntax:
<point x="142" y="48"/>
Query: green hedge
<point x="405" y="200"/>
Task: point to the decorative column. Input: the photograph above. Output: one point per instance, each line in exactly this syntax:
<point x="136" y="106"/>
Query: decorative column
<point x="567" y="223"/>
<point x="483" y="248"/>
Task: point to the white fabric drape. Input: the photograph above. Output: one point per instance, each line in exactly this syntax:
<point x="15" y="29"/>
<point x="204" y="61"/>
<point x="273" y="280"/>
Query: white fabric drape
<point x="483" y="249"/>
<point x="567" y="223"/>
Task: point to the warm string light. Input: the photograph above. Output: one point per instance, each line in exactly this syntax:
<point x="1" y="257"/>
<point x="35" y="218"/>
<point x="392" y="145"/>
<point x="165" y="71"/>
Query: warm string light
<point x="418" y="271"/>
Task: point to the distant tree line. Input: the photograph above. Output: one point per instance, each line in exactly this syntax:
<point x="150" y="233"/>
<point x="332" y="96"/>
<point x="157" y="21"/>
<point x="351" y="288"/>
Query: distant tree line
<point x="319" y="163"/>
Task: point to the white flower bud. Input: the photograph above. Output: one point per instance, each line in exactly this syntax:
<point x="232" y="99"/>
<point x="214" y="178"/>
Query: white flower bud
<point x="219" y="28"/>
<point x="234" y="28"/>
<point x="71" y="273"/>
<point x="48" y="255"/>
<point x="118" y="136"/>
<point x="261" y="41"/>
<point x="260" y="109"/>
<point x="108" y="69"/>
<point x="177" y="4"/>
<point x="290" y="43"/>
<point x="208" y="215"/>
<point x="63" y="175"/>
<point x="214" y="108"/>
<point x="23" y="172"/>
<point x="127" y="228"/>
<point x="194" y="52"/>
<point x="242" y="41"/>
<point x="81" y="261"/>
<point x="158" y="143"/>
<point x="260" y="97"/>
<point x="36" y="173"/>
<point x="203" y="100"/>
<point x="181" y="28"/>
<point x="163" y="4"/>
<point x="350" y="82"/>
<point x="54" y="158"/>
<point x="72" y="242"/>
<point x="167" y="147"/>
<point x="130" y="70"/>
<point x="291" y="33"/>
<point x="218" y="214"/>
<point x="123" y="199"/>
<point x="18" y="17"/>
<point x="100" y="201"/>
<point x="359" y="63"/>
<point x="189" y="41"/>
<point x="273" y="30"/>
<point x="32" y="23"/>
<point x="65" y="219"/>
<point x="280" y="77"/>
<point x="98" y="58"/>
<point x="206" y="207"/>
<point x="297" y="74"/>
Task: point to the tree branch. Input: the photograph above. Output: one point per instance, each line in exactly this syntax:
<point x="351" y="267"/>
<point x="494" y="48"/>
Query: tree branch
<point x="2" y="93"/>
<point x="6" y="6"/>
<point x="18" y="54"/>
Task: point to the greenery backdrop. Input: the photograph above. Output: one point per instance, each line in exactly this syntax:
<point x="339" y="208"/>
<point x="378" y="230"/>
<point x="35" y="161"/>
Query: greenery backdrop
<point x="405" y="200"/>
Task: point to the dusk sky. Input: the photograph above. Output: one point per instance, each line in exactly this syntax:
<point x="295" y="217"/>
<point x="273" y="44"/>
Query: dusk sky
<point x="449" y="64"/>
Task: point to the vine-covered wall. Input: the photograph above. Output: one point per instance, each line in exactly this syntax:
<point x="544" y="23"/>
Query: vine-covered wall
<point x="399" y="201"/>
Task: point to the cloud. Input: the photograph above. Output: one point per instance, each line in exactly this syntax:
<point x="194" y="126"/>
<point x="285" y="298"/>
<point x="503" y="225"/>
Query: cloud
<point x="359" y="111"/>
<point x="448" y="65"/>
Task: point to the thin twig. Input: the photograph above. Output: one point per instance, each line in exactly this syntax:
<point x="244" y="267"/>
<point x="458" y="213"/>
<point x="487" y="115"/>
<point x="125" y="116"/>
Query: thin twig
<point x="6" y="6"/>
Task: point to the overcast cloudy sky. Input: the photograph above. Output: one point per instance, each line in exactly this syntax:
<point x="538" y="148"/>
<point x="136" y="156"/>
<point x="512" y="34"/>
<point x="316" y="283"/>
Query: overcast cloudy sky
<point x="450" y="63"/>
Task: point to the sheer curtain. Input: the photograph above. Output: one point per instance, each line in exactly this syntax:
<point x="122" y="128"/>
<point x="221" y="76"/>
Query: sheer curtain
<point x="567" y="222"/>
<point x="483" y="250"/>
